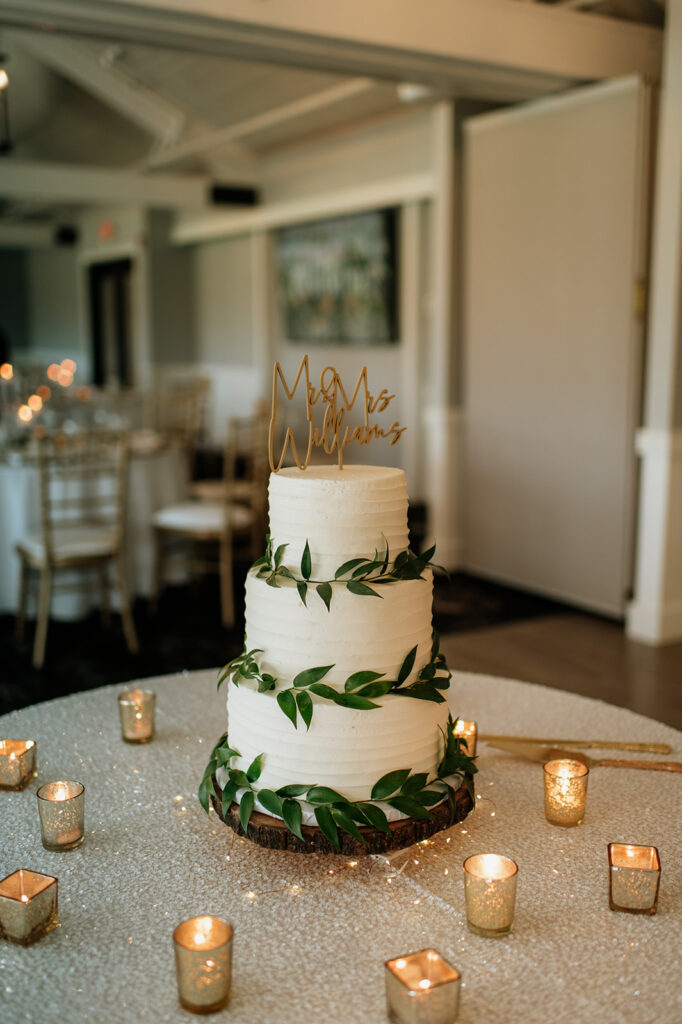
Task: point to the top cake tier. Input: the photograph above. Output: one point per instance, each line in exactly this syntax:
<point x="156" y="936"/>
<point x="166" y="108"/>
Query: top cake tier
<point x="342" y="513"/>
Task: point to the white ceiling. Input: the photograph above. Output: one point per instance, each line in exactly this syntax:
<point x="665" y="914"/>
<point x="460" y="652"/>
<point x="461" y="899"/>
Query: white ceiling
<point x="99" y="103"/>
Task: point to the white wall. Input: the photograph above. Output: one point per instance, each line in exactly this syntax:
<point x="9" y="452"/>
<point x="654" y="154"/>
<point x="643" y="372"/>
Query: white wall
<point x="235" y="298"/>
<point x="52" y="296"/>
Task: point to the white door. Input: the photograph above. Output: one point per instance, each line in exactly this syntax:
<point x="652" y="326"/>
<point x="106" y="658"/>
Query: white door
<point x="554" y="207"/>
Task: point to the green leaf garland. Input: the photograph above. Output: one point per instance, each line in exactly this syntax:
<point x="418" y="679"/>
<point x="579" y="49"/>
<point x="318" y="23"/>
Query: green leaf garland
<point x="411" y="793"/>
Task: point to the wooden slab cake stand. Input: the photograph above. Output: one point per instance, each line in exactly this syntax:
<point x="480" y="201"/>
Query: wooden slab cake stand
<point x="273" y="834"/>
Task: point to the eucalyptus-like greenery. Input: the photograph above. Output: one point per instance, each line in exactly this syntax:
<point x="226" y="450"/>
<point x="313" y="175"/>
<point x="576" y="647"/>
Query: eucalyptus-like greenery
<point x="412" y="793"/>
<point x="356" y="574"/>
<point x="359" y="688"/>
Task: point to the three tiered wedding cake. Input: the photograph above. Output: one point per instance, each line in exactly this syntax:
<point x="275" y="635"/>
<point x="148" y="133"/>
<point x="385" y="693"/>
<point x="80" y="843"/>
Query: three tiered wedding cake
<point x="337" y="716"/>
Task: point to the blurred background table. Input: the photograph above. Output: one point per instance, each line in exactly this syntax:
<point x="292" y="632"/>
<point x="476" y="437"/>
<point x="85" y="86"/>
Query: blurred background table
<point x="312" y="932"/>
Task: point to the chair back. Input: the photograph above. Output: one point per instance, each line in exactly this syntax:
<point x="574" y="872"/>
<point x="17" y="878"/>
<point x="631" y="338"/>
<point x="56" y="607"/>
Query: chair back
<point x="180" y="411"/>
<point x="83" y="483"/>
<point x="246" y="452"/>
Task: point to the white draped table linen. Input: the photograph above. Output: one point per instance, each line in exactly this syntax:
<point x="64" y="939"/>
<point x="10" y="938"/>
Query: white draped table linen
<point x="155" y="480"/>
<point x="312" y="932"/>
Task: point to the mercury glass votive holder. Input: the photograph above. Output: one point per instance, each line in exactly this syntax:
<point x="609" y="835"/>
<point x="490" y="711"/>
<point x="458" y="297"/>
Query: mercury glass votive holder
<point x="422" y="988"/>
<point x="467" y="732"/>
<point x="490" y="894"/>
<point x="565" y="792"/>
<point x="28" y="906"/>
<point x="17" y="763"/>
<point x="62" y="808"/>
<point x="136" y="708"/>
<point x="634" y="878"/>
<point x="203" y="963"/>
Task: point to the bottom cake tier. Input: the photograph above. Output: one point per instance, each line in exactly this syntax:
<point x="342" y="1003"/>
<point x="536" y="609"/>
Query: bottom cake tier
<point x="272" y="833"/>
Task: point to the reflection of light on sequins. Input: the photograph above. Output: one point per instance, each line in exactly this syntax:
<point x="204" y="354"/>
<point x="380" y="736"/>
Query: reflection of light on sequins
<point x="352" y="863"/>
<point x="250" y="896"/>
<point x="295" y="890"/>
<point x="447" y="871"/>
<point x="425" y="983"/>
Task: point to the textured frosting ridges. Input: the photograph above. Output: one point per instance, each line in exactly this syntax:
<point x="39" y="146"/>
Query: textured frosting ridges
<point x="344" y="749"/>
<point x="358" y="633"/>
<point x="343" y="514"/>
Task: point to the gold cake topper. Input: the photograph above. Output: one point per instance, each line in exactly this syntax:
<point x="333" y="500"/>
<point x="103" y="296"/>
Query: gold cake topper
<point x="332" y="434"/>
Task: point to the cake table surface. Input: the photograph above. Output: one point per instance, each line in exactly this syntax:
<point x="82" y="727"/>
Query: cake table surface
<point x="312" y="933"/>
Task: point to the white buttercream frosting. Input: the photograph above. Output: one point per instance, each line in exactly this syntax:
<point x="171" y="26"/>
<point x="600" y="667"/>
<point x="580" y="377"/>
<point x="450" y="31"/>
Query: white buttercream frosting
<point x="345" y="749"/>
<point x="342" y="514"/>
<point x="358" y="633"/>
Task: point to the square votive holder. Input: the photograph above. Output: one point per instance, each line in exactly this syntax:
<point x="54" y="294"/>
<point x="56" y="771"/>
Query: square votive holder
<point x="203" y="963"/>
<point x="136" y="708"/>
<point x="28" y="906"/>
<point x="565" y="792"/>
<point x="422" y="988"/>
<point x="17" y="763"/>
<point x="634" y="878"/>
<point x="490" y="894"/>
<point x="62" y="811"/>
<point x="467" y="733"/>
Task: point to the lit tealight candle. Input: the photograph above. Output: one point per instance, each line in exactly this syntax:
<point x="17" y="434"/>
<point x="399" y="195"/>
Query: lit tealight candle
<point x="422" y="988"/>
<point x="28" y="906"/>
<point x="467" y="732"/>
<point x="203" y="962"/>
<point x="17" y="763"/>
<point x="62" y="808"/>
<point x="565" y="792"/>
<point x="136" y="708"/>
<point x="634" y="878"/>
<point x="490" y="894"/>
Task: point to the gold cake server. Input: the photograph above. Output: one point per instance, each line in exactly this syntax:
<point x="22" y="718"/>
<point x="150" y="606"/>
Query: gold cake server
<point x="534" y="752"/>
<point x="643" y="748"/>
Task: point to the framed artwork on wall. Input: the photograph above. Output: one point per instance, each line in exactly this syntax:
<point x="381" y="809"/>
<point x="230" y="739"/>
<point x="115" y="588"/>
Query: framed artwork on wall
<point x="336" y="279"/>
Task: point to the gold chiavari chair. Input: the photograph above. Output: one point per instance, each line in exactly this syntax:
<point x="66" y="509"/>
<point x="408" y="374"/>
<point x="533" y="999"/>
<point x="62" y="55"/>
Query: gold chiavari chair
<point x="180" y="410"/>
<point x="83" y="484"/>
<point x="216" y="521"/>
<point x="246" y="480"/>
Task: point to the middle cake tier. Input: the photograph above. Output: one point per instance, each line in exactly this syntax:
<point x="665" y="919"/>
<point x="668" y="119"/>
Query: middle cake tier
<point x="358" y="633"/>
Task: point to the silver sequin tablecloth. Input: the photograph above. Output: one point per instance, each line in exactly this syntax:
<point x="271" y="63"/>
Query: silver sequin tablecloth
<point x="311" y="933"/>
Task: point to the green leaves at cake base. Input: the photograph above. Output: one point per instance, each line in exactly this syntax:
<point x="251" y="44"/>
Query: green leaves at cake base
<point x="411" y="793"/>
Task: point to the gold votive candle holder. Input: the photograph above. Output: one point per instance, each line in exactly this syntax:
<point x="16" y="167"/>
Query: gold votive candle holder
<point x="490" y="894"/>
<point x="634" y="878"/>
<point x="28" y="906"/>
<point x="136" y="708"/>
<point x="422" y="988"/>
<point x="467" y="733"/>
<point x="17" y="763"/>
<point x="565" y="792"/>
<point x="62" y="810"/>
<point x="203" y="963"/>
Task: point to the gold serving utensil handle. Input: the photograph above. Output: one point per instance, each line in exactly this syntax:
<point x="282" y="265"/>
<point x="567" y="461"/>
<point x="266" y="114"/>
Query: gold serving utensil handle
<point x="657" y="766"/>
<point x="643" y="748"/>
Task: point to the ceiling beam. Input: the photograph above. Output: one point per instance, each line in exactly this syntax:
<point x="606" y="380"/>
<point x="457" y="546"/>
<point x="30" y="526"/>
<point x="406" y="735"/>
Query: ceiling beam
<point x="491" y="50"/>
<point x="213" y="140"/>
<point x="88" y="185"/>
<point x="27" y="236"/>
<point x="138" y="103"/>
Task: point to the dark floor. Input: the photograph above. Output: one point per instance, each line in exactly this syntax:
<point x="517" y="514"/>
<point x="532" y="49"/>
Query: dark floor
<point x="187" y="634"/>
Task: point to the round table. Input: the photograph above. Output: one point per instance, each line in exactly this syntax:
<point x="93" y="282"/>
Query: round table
<point x="312" y="932"/>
